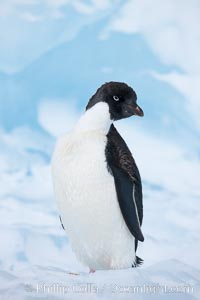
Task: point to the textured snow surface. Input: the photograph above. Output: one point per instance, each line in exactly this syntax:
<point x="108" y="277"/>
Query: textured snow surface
<point x="62" y="51"/>
<point x="35" y="255"/>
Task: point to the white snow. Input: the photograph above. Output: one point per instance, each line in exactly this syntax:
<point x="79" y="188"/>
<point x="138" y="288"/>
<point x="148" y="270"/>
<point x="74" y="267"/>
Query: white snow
<point x="35" y="255"/>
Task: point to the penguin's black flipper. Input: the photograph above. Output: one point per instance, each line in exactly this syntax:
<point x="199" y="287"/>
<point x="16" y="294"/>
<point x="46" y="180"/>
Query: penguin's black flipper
<point x="127" y="182"/>
<point x="61" y="223"/>
<point x="124" y="189"/>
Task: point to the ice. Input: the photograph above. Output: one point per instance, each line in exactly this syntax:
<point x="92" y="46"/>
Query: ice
<point x="36" y="257"/>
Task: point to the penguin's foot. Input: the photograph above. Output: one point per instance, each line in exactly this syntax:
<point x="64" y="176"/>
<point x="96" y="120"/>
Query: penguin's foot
<point x="92" y="271"/>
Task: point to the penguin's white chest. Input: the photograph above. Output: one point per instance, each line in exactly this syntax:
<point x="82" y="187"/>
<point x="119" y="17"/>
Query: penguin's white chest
<point x="86" y="197"/>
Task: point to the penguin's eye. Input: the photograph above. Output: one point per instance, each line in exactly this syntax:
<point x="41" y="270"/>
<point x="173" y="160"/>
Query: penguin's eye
<point x="116" y="98"/>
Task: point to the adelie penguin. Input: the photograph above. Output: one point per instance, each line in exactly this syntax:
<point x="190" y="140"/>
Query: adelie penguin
<point x="97" y="183"/>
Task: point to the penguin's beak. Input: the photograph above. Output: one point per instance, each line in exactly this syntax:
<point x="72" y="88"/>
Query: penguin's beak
<point x="135" y="110"/>
<point x="138" y="111"/>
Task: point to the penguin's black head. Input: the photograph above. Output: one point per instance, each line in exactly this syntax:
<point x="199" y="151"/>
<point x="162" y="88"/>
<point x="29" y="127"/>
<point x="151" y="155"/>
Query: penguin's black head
<point x="121" y="99"/>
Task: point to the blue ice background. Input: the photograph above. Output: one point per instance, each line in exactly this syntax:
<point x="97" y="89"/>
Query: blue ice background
<point x="46" y="78"/>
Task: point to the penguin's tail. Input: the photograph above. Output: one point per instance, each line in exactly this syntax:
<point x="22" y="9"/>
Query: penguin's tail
<point x="138" y="262"/>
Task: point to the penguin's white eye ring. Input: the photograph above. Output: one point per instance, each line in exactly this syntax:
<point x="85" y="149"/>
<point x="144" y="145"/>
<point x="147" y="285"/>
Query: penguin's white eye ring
<point x="116" y="98"/>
